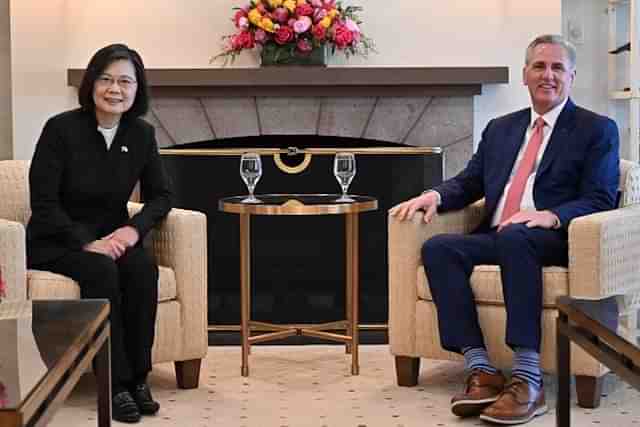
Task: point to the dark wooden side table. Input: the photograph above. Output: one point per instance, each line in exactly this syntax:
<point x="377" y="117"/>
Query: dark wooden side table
<point x="300" y="204"/>
<point x="607" y="329"/>
<point x="42" y="364"/>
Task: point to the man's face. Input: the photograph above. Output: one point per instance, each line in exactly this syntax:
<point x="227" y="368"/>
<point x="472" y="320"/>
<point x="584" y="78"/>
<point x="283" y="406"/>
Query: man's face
<point x="549" y="76"/>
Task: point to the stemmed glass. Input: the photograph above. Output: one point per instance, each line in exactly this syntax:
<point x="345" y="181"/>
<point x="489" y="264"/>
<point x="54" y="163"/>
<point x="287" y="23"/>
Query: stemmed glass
<point x="250" y="171"/>
<point x="344" y="168"/>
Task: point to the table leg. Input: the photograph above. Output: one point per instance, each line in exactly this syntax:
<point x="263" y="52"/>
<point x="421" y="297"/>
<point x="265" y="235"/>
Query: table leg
<point x="563" y="415"/>
<point x="245" y="287"/>
<point x="352" y="283"/>
<point x="348" y="268"/>
<point x="103" y="380"/>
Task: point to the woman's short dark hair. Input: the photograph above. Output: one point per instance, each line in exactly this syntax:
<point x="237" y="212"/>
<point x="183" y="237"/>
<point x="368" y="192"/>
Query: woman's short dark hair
<point x="99" y="62"/>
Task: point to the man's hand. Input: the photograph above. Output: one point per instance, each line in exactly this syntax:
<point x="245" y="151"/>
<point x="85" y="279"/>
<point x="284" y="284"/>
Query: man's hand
<point x="542" y="219"/>
<point x="405" y="210"/>
<point x="127" y="236"/>
<point x="111" y="248"/>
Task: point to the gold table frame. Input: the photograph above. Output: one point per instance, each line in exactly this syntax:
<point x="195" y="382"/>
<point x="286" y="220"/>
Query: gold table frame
<point x="294" y="204"/>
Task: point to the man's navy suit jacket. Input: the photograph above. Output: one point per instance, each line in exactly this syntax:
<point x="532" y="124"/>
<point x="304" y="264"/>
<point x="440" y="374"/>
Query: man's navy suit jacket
<point x="578" y="174"/>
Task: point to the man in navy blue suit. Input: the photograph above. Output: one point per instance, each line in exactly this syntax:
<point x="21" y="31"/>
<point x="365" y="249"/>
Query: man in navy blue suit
<point x="538" y="169"/>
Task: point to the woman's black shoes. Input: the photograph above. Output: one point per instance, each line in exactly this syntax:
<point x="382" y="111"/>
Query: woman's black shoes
<point x="142" y="396"/>
<point x="127" y="407"/>
<point x="124" y="408"/>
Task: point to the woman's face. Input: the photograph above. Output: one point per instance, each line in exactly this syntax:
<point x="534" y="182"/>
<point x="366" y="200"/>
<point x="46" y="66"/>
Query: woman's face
<point x="114" y="91"/>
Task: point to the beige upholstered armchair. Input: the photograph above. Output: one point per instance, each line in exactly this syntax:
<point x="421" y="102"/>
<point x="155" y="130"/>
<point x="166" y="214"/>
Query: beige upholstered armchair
<point x="178" y="244"/>
<point x="604" y="249"/>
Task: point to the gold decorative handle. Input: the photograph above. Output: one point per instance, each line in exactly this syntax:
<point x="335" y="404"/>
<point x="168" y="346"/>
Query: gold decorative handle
<point x="292" y="169"/>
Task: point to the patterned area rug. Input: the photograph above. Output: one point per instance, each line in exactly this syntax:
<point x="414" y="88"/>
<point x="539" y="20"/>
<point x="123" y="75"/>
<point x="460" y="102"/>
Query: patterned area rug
<point x="311" y="386"/>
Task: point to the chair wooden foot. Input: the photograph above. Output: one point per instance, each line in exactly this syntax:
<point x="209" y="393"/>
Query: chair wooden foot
<point x="407" y="370"/>
<point x="588" y="391"/>
<point x="188" y="373"/>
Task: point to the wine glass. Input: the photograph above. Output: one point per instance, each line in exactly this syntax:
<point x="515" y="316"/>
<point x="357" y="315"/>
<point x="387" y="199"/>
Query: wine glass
<point x="344" y="168"/>
<point x="250" y="171"/>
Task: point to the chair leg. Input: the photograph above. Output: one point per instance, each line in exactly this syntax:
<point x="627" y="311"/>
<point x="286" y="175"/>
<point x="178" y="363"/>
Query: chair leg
<point x="588" y="391"/>
<point x="407" y="370"/>
<point x="188" y="373"/>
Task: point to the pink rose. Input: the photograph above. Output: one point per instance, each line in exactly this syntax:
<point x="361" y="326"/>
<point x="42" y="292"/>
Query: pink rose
<point x="243" y="23"/>
<point x="281" y="14"/>
<point x="329" y="4"/>
<point x="304" y="9"/>
<point x="302" y="24"/>
<point x="351" y="25"/>
<point x="239" y="15"/>
<point x="342" y="36"/>
<point x="291" y="22"/>
<point x="243" y="40"/>
<point x="319" y="32"/>
<point x="316" y="3"/>
<point x="260" y="36"/>
<point x="319" y="14"/>
<point x="304" y="46"/>
<point x="283" y="35"/>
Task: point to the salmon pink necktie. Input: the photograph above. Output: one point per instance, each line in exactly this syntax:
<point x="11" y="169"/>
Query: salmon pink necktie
<point x="516" y="190"/>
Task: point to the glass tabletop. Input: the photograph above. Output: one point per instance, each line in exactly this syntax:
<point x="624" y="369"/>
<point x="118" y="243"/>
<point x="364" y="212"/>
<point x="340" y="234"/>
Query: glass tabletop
<point x="298" y="204"/>
<point x="618" y="314"/>
<point x="306" y="199"/>
<point x="35" y="335"/>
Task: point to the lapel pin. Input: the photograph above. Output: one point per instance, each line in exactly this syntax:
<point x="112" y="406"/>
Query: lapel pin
<point x="124" y="149"/>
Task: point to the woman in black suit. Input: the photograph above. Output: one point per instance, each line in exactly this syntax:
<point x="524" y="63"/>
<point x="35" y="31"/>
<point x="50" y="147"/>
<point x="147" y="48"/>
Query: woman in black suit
<point x="85" y="166"/>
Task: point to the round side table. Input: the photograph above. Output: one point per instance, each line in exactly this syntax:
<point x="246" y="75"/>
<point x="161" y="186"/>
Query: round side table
<point x="300" y="204"/>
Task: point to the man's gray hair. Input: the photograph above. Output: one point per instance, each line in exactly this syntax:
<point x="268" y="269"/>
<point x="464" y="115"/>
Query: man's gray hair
<point x="551" y="39"/>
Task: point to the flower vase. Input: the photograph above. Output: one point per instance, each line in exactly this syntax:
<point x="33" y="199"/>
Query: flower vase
<point x="273" y="54"/>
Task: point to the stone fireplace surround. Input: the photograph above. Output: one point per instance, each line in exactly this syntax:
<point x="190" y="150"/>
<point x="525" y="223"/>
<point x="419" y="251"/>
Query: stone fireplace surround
<point x="412" y="106"/>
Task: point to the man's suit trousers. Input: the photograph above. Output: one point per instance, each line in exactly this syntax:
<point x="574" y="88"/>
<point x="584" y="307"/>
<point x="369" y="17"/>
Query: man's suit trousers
<point x="130" y="283"/>
<point x="521" y="252"/>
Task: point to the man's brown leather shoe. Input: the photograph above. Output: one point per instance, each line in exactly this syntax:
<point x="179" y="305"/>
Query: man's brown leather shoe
<point x="518" y="403"/>
<point x="481" y="389"/>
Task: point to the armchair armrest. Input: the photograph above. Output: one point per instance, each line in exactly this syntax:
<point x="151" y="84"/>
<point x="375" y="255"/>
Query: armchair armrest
<point x="604" y="249"/>
<point x="13" y="259"/>
<point x="180" y="242"/>
<point x="405" y="244"/>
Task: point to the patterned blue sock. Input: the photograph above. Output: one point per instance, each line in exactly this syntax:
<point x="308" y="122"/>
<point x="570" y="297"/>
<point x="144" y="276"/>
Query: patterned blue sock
<point x="477" y="358"/>
<point x="526" y="366"/>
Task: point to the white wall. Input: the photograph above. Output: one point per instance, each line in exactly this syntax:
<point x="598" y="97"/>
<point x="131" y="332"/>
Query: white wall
<point x="38" y="68"/>
<point x="590" y="89"/>
<point x="49" y="37"/>
<point x="6" y="151"/>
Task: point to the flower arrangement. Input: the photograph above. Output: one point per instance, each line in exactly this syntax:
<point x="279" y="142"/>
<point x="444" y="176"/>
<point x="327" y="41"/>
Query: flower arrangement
<point x="288" y="31"/>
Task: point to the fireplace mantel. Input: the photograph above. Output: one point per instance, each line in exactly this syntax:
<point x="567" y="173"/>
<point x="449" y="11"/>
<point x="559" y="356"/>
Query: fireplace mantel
<point x="317" y="81"/>
<point x="411" y="106"/>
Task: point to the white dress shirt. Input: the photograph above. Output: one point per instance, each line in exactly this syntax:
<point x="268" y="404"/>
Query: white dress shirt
<point x="550" y="118"/>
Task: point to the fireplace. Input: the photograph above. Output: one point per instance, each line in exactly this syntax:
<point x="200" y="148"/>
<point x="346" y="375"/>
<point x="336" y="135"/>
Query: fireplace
<point x="298" y="262"/>
<point x="410" y="128"/>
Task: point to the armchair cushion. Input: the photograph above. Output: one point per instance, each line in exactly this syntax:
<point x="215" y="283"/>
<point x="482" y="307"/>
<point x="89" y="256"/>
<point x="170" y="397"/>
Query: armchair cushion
<point x="47" y="285"/>
<point x="487" y="287"/>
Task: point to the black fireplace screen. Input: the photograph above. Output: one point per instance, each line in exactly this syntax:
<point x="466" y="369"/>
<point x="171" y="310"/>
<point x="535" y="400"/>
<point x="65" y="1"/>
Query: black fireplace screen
<point x="298" y="271"/>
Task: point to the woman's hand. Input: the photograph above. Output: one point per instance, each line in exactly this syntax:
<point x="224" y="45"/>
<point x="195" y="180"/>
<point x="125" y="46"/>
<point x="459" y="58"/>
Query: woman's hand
<point x="111" y="248"/>
<point x="127" y="235"/>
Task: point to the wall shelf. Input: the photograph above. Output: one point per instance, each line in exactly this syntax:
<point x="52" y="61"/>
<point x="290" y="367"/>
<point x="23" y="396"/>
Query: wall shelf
<point x="624" y="71"/>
